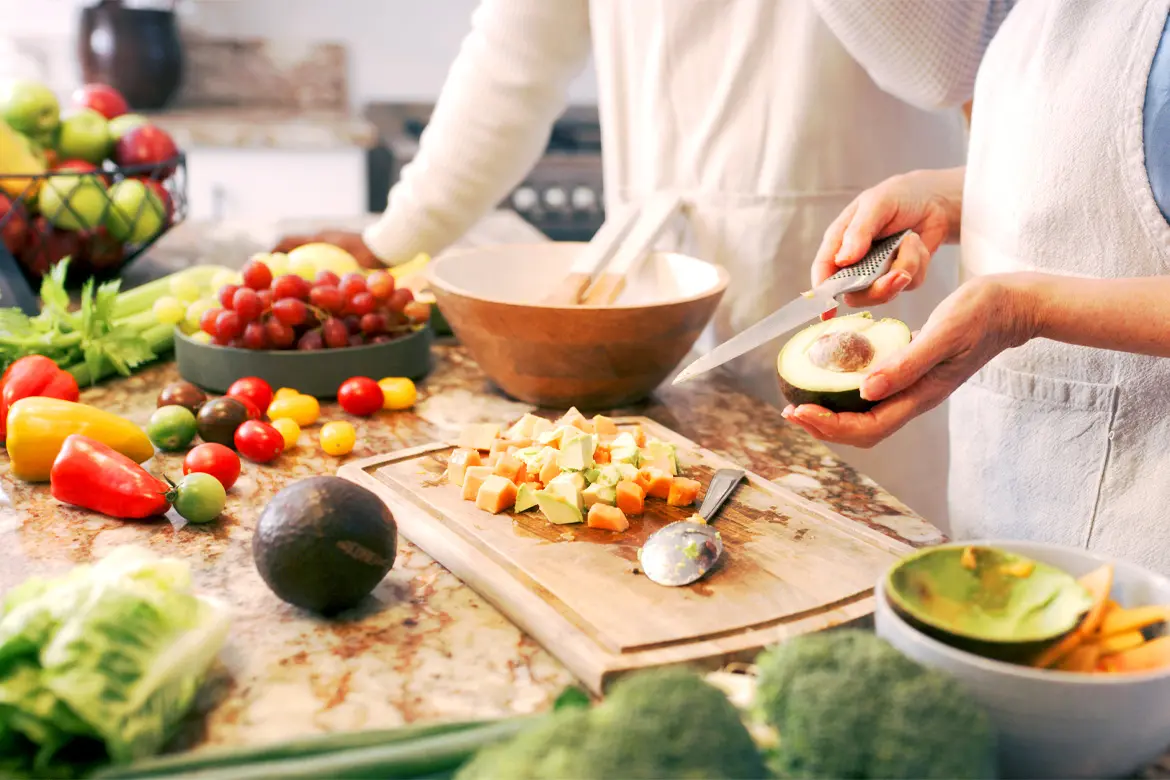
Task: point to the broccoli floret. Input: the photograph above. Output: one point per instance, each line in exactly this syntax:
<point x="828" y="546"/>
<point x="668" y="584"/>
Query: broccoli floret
<point x="658" y="724"/>
<point x="848" y="705"/>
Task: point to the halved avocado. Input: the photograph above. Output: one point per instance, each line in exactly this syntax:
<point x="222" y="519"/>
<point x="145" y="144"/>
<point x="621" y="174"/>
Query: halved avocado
<point x="825" y="363"/>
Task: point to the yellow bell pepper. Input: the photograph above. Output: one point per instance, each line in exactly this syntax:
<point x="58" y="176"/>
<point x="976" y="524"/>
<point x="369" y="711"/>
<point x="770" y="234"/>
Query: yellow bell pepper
<point x="37" y="428"/>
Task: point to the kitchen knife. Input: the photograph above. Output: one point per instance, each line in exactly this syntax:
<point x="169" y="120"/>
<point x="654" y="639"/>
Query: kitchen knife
<point x="808" y="305"/>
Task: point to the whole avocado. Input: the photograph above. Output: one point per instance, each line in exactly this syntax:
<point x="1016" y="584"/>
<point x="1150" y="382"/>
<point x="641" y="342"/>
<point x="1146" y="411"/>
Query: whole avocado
<point x="324" y="543"/>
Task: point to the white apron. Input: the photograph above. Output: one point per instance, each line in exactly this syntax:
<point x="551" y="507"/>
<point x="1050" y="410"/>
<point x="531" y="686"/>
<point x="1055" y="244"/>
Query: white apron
<point x="1049" y="441"/>
<point x="756" y="114"/>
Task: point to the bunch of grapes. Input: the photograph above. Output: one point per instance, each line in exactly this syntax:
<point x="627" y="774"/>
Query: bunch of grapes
<point x="331" y="312"/>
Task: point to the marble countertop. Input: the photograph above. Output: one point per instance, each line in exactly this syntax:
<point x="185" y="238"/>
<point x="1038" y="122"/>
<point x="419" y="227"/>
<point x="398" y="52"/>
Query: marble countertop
<point x="285" y="130"/>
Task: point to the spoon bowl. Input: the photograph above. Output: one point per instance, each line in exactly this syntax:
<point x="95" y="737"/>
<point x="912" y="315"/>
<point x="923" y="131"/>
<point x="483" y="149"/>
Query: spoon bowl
<point x="683" y="551"/>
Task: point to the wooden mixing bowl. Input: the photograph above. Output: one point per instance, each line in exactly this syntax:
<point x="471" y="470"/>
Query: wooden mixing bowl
<point x="593" y="358"/>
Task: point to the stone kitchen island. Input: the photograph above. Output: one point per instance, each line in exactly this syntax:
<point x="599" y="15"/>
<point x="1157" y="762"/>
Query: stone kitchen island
<point x="424" y="647"/>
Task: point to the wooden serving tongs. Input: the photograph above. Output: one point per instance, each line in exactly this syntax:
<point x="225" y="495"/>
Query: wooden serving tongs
<point x="617" y="250"/>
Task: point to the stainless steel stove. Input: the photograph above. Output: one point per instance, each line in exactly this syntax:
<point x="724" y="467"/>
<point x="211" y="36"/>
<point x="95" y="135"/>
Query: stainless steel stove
<point x="561" y="196"/>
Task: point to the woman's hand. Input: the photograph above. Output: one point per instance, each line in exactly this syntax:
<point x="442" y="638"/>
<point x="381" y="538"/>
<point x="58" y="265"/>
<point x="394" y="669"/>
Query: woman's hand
<point x="350" y="242"/>
<point x="927" y="202"/>
<point x="974" y="324"/>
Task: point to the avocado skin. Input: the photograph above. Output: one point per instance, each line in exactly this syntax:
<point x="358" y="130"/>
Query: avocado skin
<point x="324" y="543"/>
<point x="838" y="401"/>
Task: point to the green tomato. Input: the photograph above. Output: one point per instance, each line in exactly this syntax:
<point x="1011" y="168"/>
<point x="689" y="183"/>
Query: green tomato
<point x="171" y="427"/>
<point x="199" y="497"/>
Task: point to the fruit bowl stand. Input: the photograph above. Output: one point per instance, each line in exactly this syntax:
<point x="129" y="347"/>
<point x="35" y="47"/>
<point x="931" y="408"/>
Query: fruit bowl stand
<point x="83" y="220"/>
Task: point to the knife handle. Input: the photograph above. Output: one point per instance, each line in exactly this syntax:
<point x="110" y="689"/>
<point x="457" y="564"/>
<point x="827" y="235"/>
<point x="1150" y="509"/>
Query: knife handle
<point x="722" y="485"/>
<point x="867" y="270"/>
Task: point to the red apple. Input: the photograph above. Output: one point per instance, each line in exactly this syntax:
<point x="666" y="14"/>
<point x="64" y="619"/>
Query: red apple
<point x="146" y="145"/>
<point x="13" y="224"/>
<point x="105" y="252"/>
<point x="46" y="246"/>
<point x="103" y="99"/>
<point x="163" y="195"/>
<point x="80" y="166"/>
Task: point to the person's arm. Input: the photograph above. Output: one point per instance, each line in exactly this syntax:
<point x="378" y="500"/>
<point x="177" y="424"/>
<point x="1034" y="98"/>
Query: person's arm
<point x="925" y="52"/>
<point x="1127" y="315"/>
<point x="490" y="125"/>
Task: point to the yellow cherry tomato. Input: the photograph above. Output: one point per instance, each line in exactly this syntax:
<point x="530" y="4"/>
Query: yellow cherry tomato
<point x="397" y="393"/>
<point x="289" y="430"/>
<point x="301" y="409"/>
<point x="337" y="437"/>
<point x="285" y="392"/>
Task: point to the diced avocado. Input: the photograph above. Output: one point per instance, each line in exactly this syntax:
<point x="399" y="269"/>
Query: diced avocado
<point x="591" y="475"/>
<point x="522" y="429"/>
<point x="479" y="436"/>
<point x="599" y="494"/>
<point x="557" y="510"/>
<point x="627" y="471"/>
<point x="626" y="455"/>
<point x="558" y="435"/>
<point x="525" y="497"/>
<point x="610" y="475"/>
<point x="576" y="453"/>
<point x="528" y="454"/>
<point x="662" y="454"/>
<point x="623" y="440"/>
<point x="568" y="486"/>
<point x="540" y="427"/>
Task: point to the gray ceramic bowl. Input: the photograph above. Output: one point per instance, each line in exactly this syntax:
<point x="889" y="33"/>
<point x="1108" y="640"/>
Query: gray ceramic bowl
<point x="1057" y="724"/>
<point x="317" y="373"/>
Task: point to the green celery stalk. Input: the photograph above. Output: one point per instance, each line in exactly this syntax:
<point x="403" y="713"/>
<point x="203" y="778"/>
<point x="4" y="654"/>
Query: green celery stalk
<point x="142" y="298"/>
<point x="160" y="339"/>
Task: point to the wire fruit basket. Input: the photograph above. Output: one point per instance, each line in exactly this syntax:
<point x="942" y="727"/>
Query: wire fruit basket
<point x="101" y="217"/>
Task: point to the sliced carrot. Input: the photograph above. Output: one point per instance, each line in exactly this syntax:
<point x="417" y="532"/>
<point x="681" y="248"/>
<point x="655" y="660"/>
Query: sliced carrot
<point x="1119" y="643"/>
<point x="658" y="483"/>
<point x="473" y="479"/>
<point x="1154" y="654"/>
<point x="683" y="491"/>
<point x="639" y="435"/>
<point x="549" y="471"/>
<point x="458" y="463"/>
<point x="511" y="468"/>
<point x="663" y="464"/>
<point x="606" y="517"/>
<point x="500" y="446"/>
<point x="1081" y="659"/>
<point x="601" y="455"/>
<point x="495" y="495"/>
<point x="631" y="499"/>
<point x="1099" y="583"/>
<point x="491" y="460"/>
<point x="1120" y="621"/>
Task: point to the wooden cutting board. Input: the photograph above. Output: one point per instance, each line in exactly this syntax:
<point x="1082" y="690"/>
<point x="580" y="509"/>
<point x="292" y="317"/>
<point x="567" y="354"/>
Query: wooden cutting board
<point x="789" y="566"/>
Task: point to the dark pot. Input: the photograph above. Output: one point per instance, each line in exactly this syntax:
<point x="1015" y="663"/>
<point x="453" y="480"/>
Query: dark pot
<point x="137" y="51"/>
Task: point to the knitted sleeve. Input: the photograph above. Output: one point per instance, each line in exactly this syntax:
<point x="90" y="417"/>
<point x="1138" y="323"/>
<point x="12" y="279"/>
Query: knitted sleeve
<point x="925" y="52"/>
<point x="490" y="125"/>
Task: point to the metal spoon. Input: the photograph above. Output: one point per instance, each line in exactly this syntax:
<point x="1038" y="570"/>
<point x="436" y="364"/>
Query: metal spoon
<point x="682" y="552"/>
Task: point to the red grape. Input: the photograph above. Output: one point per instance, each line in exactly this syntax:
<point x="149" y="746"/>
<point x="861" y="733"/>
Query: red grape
<point x="381" y="284"/>
<point x="265" y="299"/>
<point x="399" y="298"/>
<point x="381" y="338"/>
<point x="417" y="311"/>
<point x="281" y="336"/>
<point x="246" y="303"/>
<point x="352" y="284"/>
<point x="290" y="286"/>
<point x="362" y="303"/>
<point x="236" y="343"/>
<point x="226" y="293"/>
<point x="326" y="279"/>
<point x="328" y="298"/>
<point x="256" y="275"/>
<point x="255" y="336"/>
<point x="357" y="340"/>
<point x="228" y="325"/>
<point x="221" y="342"/>
<point x="373" y="323"/>
<point x="290" y="311"/>
<point x="310" y="339"/>
<point x="335" y="334"/>
<point x="207" y="321"/>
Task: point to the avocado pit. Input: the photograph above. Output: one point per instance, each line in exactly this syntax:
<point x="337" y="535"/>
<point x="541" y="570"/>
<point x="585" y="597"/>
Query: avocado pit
<point x="842" y="351"/>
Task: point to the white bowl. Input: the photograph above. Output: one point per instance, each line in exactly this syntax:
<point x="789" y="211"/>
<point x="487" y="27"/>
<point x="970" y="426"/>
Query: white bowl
<point x="1055" y="724"/>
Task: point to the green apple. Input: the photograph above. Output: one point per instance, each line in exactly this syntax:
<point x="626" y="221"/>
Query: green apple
<point x="121" y="125"/>
<point x="84" y="135"/>
<point x="73" y="202"/>
<point x="30" y="108"/>
<point x="136" y="214"/>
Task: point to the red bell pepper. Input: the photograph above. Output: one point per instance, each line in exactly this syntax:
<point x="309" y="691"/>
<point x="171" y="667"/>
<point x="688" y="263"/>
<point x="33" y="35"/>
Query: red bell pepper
<point x="34" y="375"/>
<point x="93" y="476"/>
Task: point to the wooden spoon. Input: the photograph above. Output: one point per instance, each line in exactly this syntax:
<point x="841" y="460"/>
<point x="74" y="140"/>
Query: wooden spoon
<point x="594" y="256"/>
<point x="633" y="251"/>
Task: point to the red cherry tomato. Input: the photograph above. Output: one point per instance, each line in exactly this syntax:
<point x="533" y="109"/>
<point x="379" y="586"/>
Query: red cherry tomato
<point x="253" y="389"/>
<point x="214" y="459"/>
<point x="258" y="441"/>
<point x="360" y="395"/>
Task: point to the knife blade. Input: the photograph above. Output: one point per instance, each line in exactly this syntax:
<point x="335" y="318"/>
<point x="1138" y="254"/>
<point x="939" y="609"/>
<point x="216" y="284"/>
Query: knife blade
<point x="811" y="304"/>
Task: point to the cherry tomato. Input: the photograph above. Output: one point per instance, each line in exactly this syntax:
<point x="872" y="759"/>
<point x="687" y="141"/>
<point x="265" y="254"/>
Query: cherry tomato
<point x="253" y="389"/>
<point x="301" y="409"/>
<point x="289" y="430"/>
<point x="258" y="441"/>
<point x="397" y="393"/>
<point x="285" y="392"/>
<point x="214" y="459"/>
<point x="338" y="437"/>
<point x="360" y="395"/>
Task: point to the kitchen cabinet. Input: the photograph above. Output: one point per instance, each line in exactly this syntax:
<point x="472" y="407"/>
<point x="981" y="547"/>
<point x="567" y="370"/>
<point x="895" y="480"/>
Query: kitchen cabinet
<point x="264" y="184"/>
